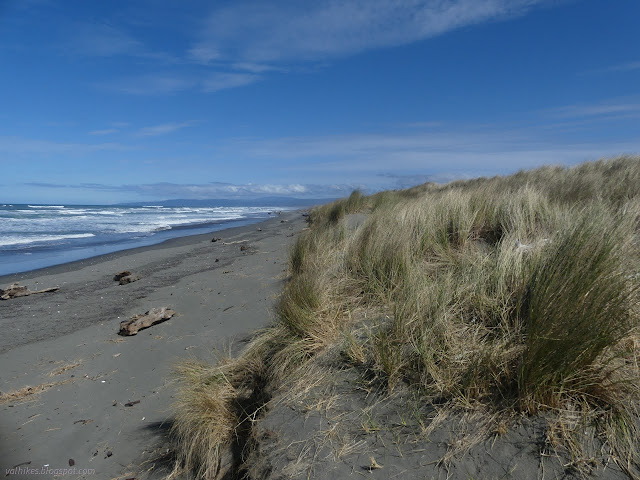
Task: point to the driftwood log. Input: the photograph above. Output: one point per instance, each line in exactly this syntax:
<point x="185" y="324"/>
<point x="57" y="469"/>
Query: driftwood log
<point x="138" y="322"/>
<point x="16" y="290"/>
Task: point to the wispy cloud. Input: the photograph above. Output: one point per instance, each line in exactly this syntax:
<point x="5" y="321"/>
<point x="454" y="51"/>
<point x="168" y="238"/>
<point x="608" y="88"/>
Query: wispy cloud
<point x="106" y="131"/>
<point x="175" y="83"/>
<point x="256" y="67"/>
<point x="266" y="32"/>
<point x="156" y="84"/>
<point x="203" y="54"/>
<point x="620" y="67"/>
<point x="221" y="81"/>
<point x="212" y="190"/>
<point x="241" y="42"/>
<point x="481" y="151"/>
<point x="163" y="129"/>
<point x="607" y="108"/>
<point x="104" y="41"/>
<point x="29" y="146"/>
<point x="423" y="124"/>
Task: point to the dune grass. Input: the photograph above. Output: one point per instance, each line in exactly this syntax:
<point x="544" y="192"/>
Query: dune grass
<point x="515" y="294"/>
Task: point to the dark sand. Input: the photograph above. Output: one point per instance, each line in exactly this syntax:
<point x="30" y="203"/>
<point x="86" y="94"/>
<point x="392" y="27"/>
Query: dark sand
<point x="69" y="339"/>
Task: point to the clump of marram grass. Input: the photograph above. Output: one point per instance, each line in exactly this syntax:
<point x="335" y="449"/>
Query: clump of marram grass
<point x="514" y="294"/>
<point x="205" y="419"/>
<point x="579" y="307"/>
<point x="332" y="213"/>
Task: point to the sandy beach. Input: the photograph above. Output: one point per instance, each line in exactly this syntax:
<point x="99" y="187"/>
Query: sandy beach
<point x="99" y="403"/>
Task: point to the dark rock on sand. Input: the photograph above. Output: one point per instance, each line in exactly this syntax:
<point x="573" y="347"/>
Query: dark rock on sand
<point x="125" y="277"/>
<point x="124" y="273"/>
<point x="129" y="279"/>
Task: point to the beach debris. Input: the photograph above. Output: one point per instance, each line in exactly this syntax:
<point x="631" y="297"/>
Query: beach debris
<point x="16" y="290"/>
<point x="109" y="453"/>
<point x="373" y="465"/>
<point x="83" y="421"/>
<point x="124" y="273"/>
<point x="243" y="248"/>
<point x="25" y="392"/>
<point x="526" y="247"/>
<point x="125" y="277"/>
<point x="129" y="279"/>
<point x="64" y="368"/>
<point x="216" y="239"/>
<point x="72" y="462"/>
<point x="139" y="322"/>
<point x="131" y="404"/>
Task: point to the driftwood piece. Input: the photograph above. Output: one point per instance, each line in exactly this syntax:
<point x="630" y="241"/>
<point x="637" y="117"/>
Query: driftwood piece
<point x="16" y="290"/>
<point x="138" y="322"/>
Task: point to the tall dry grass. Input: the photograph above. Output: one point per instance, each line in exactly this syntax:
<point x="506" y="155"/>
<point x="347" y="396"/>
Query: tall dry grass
<point x="517" y="293"/>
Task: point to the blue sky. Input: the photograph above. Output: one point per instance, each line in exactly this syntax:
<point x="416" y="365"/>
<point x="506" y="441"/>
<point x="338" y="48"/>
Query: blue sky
<point x="105" y="102"/>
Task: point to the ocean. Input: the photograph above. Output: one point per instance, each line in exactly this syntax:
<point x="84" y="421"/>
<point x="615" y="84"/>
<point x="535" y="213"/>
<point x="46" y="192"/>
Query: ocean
<point x="36" y="236"/>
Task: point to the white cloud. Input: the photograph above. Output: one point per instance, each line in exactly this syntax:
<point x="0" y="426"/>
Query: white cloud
<point x="175" y="83"/>
<point x="158" y="84"/>
<point x="486" y="151"/>
<point x="212" y="190"/>
<point x="104" y="41"/>
<point x="606" y="108"/>
<point x="255" y="67"/>
<point x="267" y="32"/>
<point x="203" y="54"/>
<point x="620" y="67"/>
<point x="163" y="129"/>
<point x="221" y="81"/>
<point x="106" y="131"/>
<point x="245" y="39"/>
<point x="29" y="146"/>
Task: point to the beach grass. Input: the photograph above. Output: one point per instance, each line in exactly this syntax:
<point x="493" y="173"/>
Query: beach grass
<point x="515" y="295"/>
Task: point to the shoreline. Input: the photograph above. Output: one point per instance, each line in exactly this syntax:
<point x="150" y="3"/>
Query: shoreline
<point x="86" y="380"/>
<point x="66" y="265"/>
